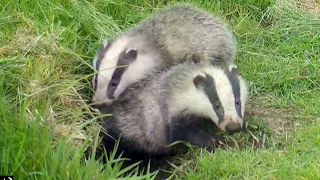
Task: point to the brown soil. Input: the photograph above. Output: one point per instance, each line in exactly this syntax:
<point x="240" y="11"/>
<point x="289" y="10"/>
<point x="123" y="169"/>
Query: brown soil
<point x="279" y="120"/>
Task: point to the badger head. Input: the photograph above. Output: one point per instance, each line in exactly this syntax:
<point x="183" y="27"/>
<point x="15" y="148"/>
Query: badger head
<point x="111" y="62"/>
<point x="222" y="93"/>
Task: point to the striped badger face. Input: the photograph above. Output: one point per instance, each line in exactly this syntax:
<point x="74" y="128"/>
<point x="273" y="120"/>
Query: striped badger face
<point x="111" y="62"/>
<point x="119" y="65"/>
<point x="226" y="93"/>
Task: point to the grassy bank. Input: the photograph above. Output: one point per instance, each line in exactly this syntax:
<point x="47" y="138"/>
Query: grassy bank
<point x="46" y="49"/>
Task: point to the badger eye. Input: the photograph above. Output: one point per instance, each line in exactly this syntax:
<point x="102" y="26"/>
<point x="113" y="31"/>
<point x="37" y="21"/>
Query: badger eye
<point x="217" y="106"/>
<point x="114" y="83"/>
<point x="238" y="103"/>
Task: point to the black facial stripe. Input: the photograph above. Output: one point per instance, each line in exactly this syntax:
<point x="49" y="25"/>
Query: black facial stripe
<point x="95" y="79"/>
<point x="117" y="74"/>
<point x="211" y="90"/>
<point x="235" y="85"/>
<point x="101" y="53"/>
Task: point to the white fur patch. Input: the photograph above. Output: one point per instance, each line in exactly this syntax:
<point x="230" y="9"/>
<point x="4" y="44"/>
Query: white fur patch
<point x="244" y="92"/>
<point x="129" y="49"/>
<point x="226" y="96"/>
<point x="200" y="74"/>
<point x="94" y="62"/>
<point x="231" y="66"/>
<point x="137" y="71"/>
<point x="192" y="99"/>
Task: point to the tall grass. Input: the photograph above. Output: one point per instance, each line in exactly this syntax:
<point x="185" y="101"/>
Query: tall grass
<point x="46" y="122"/>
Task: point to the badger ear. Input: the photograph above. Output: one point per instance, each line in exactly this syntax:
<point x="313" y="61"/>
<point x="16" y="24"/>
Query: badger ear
<point x="234" y="69"/>
<point x="131" y="53"/>
<point x="199" y="80"/>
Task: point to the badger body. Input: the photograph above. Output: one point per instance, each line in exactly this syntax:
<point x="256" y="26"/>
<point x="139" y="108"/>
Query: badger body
<point x="170" y="36"/>
<point x="170" y="105"/>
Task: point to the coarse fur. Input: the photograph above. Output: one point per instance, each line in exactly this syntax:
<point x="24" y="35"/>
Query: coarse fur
<point x="169" y="105"/>
<point x="170" y="36"/>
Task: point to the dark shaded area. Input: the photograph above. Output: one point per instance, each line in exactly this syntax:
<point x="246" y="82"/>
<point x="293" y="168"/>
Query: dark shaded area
<point x="157" y="162"/>
<point x="194" y="131"/>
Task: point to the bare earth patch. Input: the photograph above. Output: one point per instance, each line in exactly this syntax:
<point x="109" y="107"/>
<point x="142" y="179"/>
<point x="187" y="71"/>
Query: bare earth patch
<point x="279" y="120"/>
<point x="264" y="124"/>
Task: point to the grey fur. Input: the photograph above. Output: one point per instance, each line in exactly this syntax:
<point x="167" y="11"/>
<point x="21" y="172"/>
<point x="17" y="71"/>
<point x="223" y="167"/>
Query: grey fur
<point x="148" y="113"/>
<point x="171" y="36"/>
<point x="185" y="32"/>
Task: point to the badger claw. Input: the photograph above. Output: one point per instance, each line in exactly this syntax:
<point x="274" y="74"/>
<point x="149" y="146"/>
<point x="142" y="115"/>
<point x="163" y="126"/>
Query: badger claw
<point x="206" y="140"/>
<point x="218" y="141"/>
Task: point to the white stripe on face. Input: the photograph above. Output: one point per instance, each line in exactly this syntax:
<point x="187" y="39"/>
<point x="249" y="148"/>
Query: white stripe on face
<point x="223" y="90"/>
<point x="231" y="99"/>
<point x="137" y="70"/>
<point x="106" y="69"/>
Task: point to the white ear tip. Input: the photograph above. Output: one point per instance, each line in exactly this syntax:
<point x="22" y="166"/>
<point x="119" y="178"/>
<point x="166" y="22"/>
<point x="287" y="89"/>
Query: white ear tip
<point x="231" y="66"/>
<point x="202" y="74"/>
<point x="105" y="43"/>
<point x="129" y="49"/>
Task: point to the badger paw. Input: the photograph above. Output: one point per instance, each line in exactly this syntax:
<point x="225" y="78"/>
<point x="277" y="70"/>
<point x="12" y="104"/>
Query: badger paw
<point x="218" y="141"/>
<point x="206" y="140"/>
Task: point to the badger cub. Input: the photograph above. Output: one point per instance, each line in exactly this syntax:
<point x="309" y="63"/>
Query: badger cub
<point x="167" y="106"/>
<point x="172" y="35"/>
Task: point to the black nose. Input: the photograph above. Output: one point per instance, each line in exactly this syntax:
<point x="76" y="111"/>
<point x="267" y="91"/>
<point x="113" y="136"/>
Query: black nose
<point x="233" y="127"/>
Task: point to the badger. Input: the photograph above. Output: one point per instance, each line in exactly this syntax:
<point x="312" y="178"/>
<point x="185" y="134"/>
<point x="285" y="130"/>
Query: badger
<point x="175" y="34"/>
<point x="169" y="106"/>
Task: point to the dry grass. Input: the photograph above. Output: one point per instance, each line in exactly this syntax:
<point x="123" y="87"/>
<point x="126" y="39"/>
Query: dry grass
<point x="311" y="6"/>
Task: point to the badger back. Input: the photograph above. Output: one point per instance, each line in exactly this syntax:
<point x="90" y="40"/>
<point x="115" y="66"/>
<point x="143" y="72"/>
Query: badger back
<point x="187" y="32"/>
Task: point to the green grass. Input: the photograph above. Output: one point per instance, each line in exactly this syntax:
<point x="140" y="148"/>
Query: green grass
<point x="46" y="49"/>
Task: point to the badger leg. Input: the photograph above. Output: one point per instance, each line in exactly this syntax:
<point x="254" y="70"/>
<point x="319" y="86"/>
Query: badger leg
<point x="204" y="139"/>
<point x="198" y="138"/>
<point x="190" y="128"/>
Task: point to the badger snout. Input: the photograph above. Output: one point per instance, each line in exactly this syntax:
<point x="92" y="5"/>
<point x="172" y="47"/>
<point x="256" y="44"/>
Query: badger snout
<point x="95" y="98"/>
<point x="100" y="100"/>
<point x="103" y="108"/>
<point x="233" y="127"/>
<point x="231" y="124"/>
